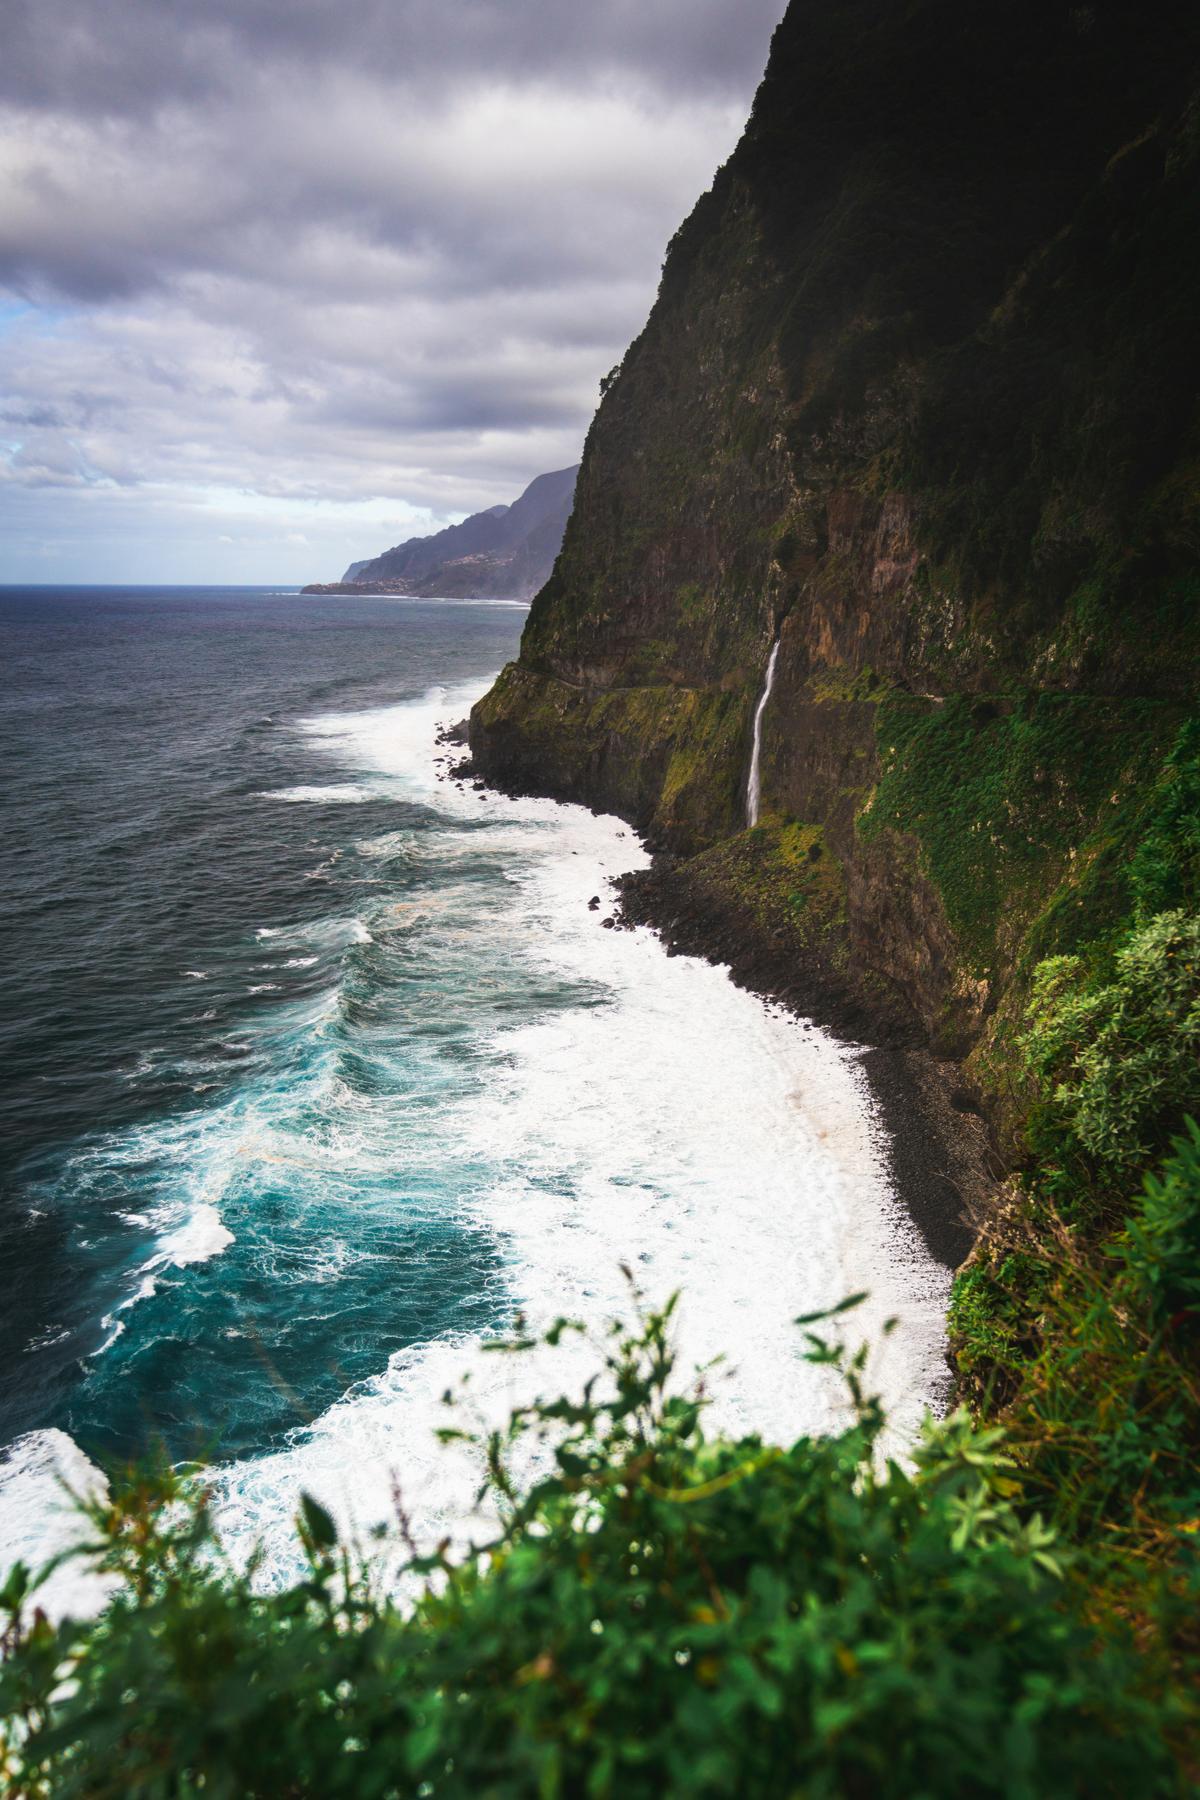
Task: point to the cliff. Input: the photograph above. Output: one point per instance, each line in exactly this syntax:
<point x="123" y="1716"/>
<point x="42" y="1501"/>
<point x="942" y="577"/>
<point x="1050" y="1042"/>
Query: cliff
<point x="917" y="399"/>
<point x="916" y="405"/>
<point x="506" y="551"/>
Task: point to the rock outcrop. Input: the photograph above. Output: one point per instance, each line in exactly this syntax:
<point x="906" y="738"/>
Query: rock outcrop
<point x="918" y="398"/>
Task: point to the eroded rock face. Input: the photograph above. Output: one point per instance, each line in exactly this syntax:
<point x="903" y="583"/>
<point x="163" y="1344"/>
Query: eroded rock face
<point x="917" y="398"/>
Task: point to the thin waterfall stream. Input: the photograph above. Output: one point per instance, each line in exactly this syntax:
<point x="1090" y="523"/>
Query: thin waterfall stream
<point x="754" y="784"/>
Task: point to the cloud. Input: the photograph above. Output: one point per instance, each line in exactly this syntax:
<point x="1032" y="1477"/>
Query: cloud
<point x="330" y="256"/>
<point x="72" y="56"/>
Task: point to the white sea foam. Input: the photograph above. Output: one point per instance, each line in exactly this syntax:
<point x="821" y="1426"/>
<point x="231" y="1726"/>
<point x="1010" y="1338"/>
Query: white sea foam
<point x="662" y="1117"/>
<point x="334" y="933"/>
<point x="669" y="1120"/>
<point x="183" y="1238"/>
<point x="40" y="1473"/>
<point x="201" y="1235"/>
<point x="395" y="741"/>
<point x="342" y="794"/>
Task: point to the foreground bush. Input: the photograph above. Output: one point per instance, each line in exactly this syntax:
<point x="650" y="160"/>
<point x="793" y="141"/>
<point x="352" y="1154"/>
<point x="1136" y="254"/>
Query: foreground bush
<point x="1076" y="1321"/>
<point x="661" y="1614"/>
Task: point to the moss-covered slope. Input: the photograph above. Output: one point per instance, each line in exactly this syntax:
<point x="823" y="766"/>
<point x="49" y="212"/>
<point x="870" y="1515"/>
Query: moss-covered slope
<point x="918" y="395"/>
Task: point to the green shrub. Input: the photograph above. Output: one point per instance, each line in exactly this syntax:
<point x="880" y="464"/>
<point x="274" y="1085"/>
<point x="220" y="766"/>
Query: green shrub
<point x="1102" y="1404"/>
<point x="1164" y="869"/>
<point x="1118" y="1059"/>
<point x="662" y="1613"/>
<point x="1084" y="1342"/>
<point x="1160" y="1248"/>
<point x="990" y="1302"/>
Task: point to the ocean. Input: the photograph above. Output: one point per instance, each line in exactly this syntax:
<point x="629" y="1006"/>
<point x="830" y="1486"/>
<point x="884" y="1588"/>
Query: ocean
<point x="319" y="1066"/>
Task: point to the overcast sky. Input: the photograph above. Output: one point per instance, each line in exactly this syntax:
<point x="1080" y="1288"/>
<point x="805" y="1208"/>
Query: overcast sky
<point x="285" y="281"/>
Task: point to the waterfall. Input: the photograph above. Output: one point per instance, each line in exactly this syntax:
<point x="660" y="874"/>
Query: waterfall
<point x="753" y="784"/>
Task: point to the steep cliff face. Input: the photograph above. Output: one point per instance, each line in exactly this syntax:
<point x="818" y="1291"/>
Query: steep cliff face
<point x="918" y="398"/>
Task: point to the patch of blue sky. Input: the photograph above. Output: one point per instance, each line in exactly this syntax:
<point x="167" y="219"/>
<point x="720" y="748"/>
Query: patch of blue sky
<point x="15" y="312"/>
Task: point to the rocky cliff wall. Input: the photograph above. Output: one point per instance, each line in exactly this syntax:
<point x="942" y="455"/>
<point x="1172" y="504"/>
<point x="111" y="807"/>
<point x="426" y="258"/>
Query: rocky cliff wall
<point x="919" y="398"/>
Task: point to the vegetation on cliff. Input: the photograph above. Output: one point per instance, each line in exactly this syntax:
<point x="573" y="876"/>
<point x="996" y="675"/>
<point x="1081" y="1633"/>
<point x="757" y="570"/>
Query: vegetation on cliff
<point x="918" y="397"/>
<point x="917" y="400"/>
<point x="1014" y="1614"/>
<point x="660" y="1613"/>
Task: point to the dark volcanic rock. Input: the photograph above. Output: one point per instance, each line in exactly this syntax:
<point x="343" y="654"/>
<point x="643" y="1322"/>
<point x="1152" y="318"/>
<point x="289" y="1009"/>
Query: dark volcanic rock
<point x="918" y="402"/>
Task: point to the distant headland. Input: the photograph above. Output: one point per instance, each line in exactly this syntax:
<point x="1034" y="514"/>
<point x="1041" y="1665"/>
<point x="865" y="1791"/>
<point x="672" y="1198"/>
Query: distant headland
<point x="506" y="552"/>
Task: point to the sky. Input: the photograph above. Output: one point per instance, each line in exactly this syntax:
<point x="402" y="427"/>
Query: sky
<point x="284" y="282"/>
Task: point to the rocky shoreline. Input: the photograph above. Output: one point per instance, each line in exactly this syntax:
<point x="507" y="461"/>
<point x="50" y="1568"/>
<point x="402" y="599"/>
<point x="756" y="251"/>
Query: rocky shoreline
<point x="940" y="1156"/>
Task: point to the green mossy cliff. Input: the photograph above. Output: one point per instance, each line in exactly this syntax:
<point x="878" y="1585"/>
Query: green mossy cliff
<point x="919" y="396"/>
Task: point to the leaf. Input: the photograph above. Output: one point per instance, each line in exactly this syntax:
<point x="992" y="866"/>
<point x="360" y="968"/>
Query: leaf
<point x="831" y="1312"/>
<point x="15" y="1588"/>
<point x="317" y="1522"/>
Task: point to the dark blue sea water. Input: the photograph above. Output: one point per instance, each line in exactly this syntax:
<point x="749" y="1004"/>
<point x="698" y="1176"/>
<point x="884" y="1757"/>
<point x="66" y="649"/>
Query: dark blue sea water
<point x="316" y="1065"/>
<point x="168" y="932"/>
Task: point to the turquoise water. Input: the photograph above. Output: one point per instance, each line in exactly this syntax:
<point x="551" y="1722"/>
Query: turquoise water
<point x="322" y="1065"/>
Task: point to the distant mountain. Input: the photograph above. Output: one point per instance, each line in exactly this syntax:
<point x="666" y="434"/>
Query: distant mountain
<point x="507" y="551"/>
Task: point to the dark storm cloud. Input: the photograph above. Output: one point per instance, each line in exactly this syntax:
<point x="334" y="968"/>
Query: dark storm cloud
<point x="131" y="56"/>
<point x="346" y="254"/>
